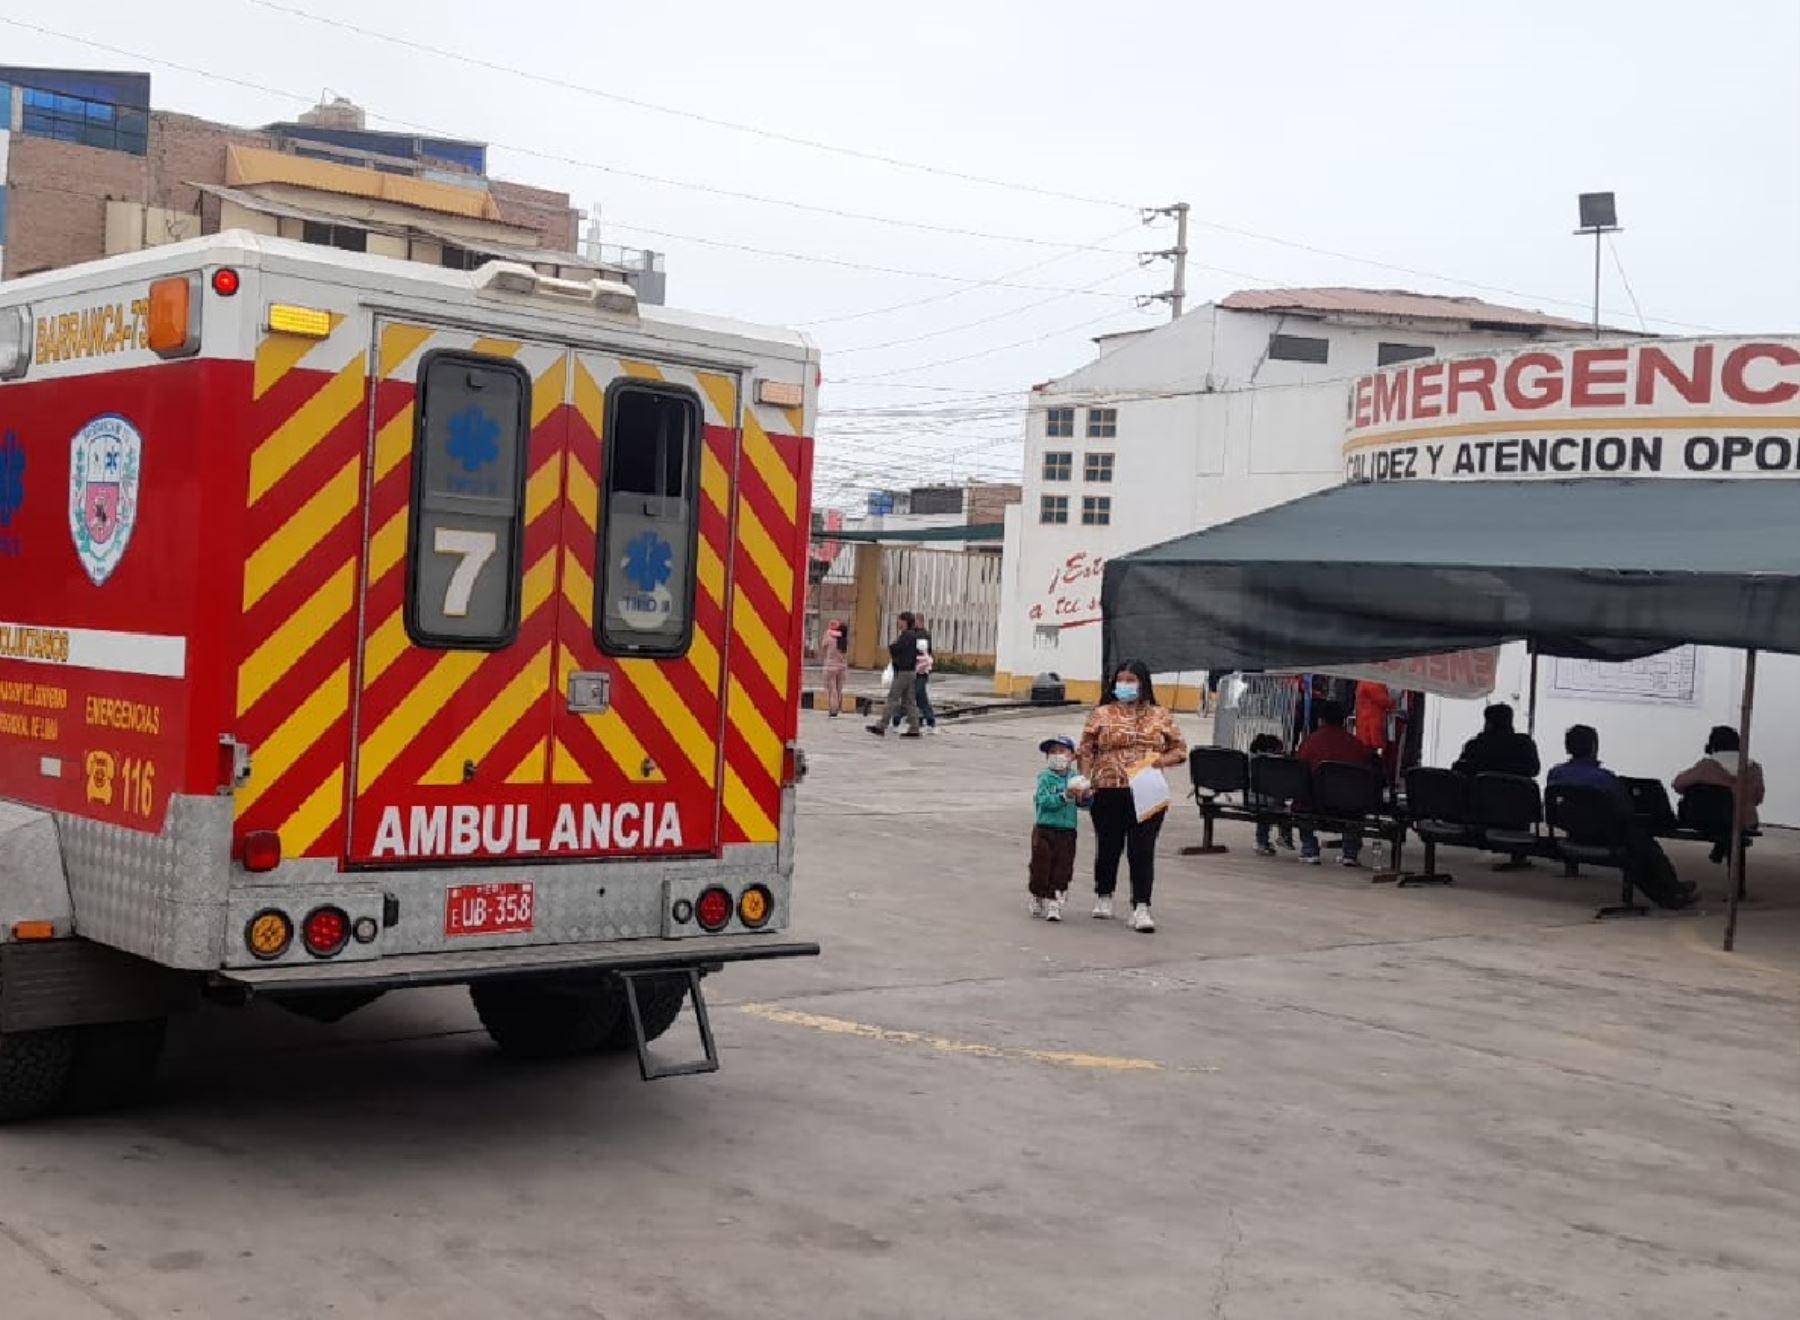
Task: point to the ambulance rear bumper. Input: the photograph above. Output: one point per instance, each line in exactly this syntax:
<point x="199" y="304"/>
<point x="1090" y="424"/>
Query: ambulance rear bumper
<point x="464" y="965"/>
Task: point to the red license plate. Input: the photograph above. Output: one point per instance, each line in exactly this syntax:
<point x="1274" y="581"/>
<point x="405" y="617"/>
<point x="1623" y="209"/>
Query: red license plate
<point x="502" y="909"/>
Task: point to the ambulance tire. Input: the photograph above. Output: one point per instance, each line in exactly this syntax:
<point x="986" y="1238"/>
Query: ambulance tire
<point x="34" y="1071"/>
<point x="531" y="1021"/>
<point x="659" y="1004"/>
<point x="115" y="1065"/>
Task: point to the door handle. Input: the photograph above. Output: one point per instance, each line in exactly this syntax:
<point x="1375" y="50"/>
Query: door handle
<point x="590" y="692"/>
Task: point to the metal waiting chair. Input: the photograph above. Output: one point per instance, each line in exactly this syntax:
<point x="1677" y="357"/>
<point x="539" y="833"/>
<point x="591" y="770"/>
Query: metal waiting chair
<point x="1506" y="811"/>
<point x="1214" y="772"/>
<point x="1437" y="803"/>
<point x="1278" y="784"/>
<point x="1709" y="811"/>
<point x="1349" y="792"/>
<point x="1588" y="825"/>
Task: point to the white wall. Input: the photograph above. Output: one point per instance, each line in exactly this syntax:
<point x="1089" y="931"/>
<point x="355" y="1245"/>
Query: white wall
<point x="1184" y="458"/>
<point x="1645" y="739"/>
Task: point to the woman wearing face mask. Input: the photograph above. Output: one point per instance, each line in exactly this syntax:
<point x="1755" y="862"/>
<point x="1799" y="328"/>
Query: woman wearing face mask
<point x="1126" y="731"/>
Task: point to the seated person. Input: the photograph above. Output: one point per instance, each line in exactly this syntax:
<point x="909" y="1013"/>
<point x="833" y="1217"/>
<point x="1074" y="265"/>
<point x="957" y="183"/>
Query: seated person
<point x="1721" y="767"/>
<point x="1646" y="864"/>
<point x="1267" y="744"/>
<point x="1497" y="749"/>
<point x="1331" y="741"/>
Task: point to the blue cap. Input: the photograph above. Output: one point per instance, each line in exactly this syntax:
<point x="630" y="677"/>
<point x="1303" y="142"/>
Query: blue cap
<point x="1062" y="741"/>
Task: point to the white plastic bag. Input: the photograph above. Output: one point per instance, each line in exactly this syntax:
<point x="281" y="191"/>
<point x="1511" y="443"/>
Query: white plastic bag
<point x="887" y="675"/>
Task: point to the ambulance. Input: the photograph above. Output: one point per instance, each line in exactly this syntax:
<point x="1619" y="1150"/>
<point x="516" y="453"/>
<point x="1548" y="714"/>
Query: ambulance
<point x="368" y="625"/>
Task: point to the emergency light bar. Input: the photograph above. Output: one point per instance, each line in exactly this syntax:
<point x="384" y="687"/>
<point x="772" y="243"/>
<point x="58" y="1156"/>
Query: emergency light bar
<point x="516" y="277"/>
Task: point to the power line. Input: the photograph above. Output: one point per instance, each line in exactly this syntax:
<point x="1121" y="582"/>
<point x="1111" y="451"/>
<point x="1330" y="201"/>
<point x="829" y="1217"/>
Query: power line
<point x="986" y="320"/>
<point x="970" y="357"/>
<point x="694" y="116"/>
<point x="1625" y="279"/>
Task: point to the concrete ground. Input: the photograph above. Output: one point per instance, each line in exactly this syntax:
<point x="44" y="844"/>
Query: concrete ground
<point x="1304" y="1096"/>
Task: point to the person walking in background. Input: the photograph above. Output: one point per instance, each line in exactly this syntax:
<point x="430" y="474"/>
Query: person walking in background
<point x="1722" y="766"/>
<point x="922" y="668"/>
<point x="1124" y="734"/>
<point x="903" y="659"/>
<point x="837" y="666"/>
<point x="1053" y="832"/>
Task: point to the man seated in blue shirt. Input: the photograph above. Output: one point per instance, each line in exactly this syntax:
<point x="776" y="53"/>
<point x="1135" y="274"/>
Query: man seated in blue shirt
<point x="1647" y="865"/>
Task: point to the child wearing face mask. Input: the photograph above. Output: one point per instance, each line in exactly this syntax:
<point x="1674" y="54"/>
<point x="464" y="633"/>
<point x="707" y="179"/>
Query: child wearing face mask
<point x="1053" y="836"/>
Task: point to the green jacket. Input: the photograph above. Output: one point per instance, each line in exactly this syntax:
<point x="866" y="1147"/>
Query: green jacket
<point x="1053" y="808"/>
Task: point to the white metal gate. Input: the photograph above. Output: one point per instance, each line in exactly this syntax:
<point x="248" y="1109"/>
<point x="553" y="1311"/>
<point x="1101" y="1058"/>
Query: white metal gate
<point x="956" y="591"/>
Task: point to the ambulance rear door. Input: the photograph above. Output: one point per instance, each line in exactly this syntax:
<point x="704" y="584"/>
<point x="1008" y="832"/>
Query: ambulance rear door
<point x="457" y="677"/>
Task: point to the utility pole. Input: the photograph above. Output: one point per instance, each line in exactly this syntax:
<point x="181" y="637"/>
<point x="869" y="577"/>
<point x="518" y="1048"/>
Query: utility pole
<point x="1176" y="294"/>
<point x="1599" y="217"/>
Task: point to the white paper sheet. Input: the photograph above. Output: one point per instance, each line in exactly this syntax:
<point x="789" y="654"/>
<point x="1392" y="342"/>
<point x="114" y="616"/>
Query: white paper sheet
<point x="1149" y="792"/>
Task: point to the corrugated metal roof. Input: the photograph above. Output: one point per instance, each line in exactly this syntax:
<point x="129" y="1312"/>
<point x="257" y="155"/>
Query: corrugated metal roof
<point x="1394" y="302"/>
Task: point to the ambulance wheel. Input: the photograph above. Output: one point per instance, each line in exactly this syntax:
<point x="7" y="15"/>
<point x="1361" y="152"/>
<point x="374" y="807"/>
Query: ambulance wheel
<point x="115" y="1064"/>
<point x="659" y="1004"/>
<point x="34" y="1071"/>
<point x="530" y="1020"/>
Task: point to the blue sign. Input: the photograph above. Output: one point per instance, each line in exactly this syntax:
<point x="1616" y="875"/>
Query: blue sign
<point x="12" y="490"/>
<point x="474" y="439"/>
<point x="649" y="561"/>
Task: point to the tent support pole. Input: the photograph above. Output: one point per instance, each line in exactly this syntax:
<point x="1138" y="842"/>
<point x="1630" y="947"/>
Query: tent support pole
<point x="1531" y="702"/>
<point x="1740" y="803"/>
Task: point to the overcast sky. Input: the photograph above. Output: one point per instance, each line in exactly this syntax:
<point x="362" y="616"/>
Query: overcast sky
<point x="1444" y="138"/>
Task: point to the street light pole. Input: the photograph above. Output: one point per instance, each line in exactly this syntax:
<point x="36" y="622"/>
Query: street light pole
<point x="1599" y="216"/>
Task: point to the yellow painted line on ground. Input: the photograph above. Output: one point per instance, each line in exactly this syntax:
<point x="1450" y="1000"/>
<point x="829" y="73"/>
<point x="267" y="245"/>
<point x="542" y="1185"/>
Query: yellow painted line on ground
<point x="306" y="426"/>
<point x="312" y="521"/>
<point x="284" y="646"/>
<point x="833" y="1026"/>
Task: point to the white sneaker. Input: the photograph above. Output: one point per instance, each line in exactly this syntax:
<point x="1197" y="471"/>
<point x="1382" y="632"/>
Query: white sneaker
<point x="1141" y="919"/>
<point x="1053" y="910"/>
<point x="1037" y="907"/>
<point x="1062" y="896"/>
<point x="1103" y="908"/>
<point x="1307" y="859"/>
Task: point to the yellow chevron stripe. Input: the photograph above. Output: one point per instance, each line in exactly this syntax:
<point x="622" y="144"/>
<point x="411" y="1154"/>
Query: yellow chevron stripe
<point x="386" y="645"/>
<point x="279" y="354"/>
<point x="761" y="452"/>
<point x="722" y="390"/>
<point x="590" y="399"/>
<point x="584" y="495"/>
<point x="747" y="624"/>
<point x="564" y="768"/>
<point x="276" y="557"/>
<point x="325" y="804"/>
<point x="503" y="713"/>
<point x="531" y="769"/>
<point x="764" y="553"/>
<point x="756" y="823"/>
<point x="451" y="671"/>
<point x="711" y="571"/>
<point x="695" y="742"/>
<point x="796" y="424"/>
<point x="640" y="370"/>
<point x="542" y="488"/>
<point x="497" y="347"/>
<point x="306" y="426"/>
<point x="548" y="389"/>
<point x="283" y="647"/>
<point x="387" y="546"/>
<point x="578" y="590"/>
<point x="393" y="441"/>
<point x="704" y="656"/>
<point x="297" y="733"/>
<point x="399" y="342"/>
<point x="615" y="735"/>
<point x="715" y="482"/>
<point x="748" y="721"/>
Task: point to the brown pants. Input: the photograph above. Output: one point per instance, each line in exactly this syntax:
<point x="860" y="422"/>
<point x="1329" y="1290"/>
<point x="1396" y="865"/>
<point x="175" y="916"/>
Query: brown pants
<point x="1052" y="860"/>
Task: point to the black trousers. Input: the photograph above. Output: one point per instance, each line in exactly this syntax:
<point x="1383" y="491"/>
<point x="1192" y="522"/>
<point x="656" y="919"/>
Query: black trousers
<point x="1117" y="832"/>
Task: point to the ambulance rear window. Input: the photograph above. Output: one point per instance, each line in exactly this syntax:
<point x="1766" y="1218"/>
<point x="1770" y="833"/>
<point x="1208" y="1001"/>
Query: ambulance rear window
<point x="649" y="522"/>
<point x="466" y="533"/>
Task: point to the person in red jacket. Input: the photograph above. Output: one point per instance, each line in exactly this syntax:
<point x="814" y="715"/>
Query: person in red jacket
<point x="1375" y="704"/>
<point x="1332" y="742"/>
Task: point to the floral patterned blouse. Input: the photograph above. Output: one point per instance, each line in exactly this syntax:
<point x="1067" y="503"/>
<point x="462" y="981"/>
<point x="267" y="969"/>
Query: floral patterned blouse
<point x="1121" y="736"/>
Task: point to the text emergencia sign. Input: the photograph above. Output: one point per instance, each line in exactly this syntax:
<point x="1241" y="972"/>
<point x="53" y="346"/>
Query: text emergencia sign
<point x="1656" y="408"/>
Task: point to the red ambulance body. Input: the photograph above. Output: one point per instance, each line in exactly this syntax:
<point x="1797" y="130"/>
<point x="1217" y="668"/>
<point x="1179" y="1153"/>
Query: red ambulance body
<point x="366" y="625"/>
